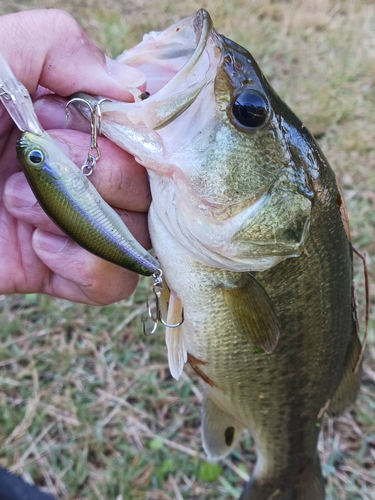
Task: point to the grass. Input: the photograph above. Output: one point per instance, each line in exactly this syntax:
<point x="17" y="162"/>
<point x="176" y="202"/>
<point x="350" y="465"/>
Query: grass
<point x="87" y="405"/>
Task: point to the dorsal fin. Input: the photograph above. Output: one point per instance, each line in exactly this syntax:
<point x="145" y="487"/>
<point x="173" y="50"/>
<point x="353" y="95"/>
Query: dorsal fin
<point x="343" y="210"/>
<point x="347" y="391"/>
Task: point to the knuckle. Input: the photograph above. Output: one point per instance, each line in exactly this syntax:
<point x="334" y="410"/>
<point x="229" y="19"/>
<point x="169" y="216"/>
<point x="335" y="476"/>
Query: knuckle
<point x="71" y="37"/>
<point x="62" y="19"/>
<point x="112" y="286"/>
<point x="66" y="31"/>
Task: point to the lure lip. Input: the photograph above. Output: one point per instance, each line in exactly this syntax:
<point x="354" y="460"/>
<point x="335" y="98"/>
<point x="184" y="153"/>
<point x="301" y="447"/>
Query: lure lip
<point x="16" y="100"/>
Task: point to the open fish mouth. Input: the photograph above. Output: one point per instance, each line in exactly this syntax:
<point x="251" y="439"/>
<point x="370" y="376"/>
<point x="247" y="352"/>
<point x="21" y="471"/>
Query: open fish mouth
<point x="168" y="58"/>
<point x="178" y="64"/>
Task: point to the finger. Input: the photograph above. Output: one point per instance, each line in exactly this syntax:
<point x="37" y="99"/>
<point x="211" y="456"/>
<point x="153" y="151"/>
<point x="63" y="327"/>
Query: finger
<point x="8" y="162"/>
<point x="79" y="276"/>
<point x="20" y="270"/>
<point x="21" y="203"/>
<point x="48" y="47"/>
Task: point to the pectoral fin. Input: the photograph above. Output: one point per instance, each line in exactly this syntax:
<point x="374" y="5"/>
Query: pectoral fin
<point x="254" y="312"/>
<point x="174" y="338"/>
<point x="220" y="431"/>
<point x="164" y="300"/>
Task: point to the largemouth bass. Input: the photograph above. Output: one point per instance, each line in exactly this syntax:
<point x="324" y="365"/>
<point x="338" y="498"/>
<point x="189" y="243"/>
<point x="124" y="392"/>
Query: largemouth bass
<point x="64" y="192"/>
<point x="249" y="224"/>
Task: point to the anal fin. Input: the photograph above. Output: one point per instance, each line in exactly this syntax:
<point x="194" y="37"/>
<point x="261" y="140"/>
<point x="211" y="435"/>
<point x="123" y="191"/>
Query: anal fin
<point x="254" y="312"/>
<point x="220" y="430"/>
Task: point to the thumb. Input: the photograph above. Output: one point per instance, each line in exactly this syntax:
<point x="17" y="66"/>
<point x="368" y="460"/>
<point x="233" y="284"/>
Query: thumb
<point x="49" y="48"/>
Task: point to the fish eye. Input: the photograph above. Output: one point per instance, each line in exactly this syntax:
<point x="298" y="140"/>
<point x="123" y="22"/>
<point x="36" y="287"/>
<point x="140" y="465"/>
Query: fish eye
<point x="250" y="109"/>
<point x="35" y="156"/>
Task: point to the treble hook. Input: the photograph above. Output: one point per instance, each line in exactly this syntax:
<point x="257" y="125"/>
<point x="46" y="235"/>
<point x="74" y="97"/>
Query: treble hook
<point x="157" y="288"/>
<point x="98" y="114"/>
<point x="96" y="128"/>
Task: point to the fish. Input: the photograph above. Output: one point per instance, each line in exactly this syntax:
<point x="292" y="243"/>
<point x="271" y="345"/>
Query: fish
<point x="64" y="192"/>
<point x="249" y="225"/>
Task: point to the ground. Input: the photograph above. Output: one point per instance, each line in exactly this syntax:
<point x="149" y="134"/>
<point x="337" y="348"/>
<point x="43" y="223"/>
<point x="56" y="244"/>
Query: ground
<point x="87" y="406"/>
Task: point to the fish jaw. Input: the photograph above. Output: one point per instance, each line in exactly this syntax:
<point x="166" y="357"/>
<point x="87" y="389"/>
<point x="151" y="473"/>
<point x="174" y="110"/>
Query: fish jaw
<point x="189" y="65"/>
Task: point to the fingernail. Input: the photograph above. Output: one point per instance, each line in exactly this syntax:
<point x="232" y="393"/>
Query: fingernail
<point x="49" y="242"/>
<point x="18" y="193"/>
<point x="126" y="75"/>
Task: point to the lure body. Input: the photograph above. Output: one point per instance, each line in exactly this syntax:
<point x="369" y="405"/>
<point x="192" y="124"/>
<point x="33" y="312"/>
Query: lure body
<point x="73" y="203"/>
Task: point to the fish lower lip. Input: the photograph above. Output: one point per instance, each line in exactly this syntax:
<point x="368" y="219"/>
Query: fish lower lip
<point x="201" y="17"/>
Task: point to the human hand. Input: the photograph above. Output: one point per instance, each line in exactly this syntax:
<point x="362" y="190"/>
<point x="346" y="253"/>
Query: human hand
<point x="47" y="48"/>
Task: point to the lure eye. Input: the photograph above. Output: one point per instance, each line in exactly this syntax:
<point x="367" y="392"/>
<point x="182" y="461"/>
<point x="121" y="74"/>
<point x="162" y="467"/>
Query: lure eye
<point x="36" y="157"/>
<point x="250" y="109"/>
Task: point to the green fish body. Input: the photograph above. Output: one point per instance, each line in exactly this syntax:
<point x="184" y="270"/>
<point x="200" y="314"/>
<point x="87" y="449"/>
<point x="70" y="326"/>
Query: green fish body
<point x="247" y="222"/>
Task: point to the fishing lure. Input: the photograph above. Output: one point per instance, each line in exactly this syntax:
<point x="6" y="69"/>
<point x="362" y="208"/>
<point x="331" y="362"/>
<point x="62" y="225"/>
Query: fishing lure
<point x="64" y="192"/>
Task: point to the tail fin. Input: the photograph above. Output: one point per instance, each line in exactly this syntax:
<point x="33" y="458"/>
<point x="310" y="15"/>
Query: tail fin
<point x="308" y="485"/>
